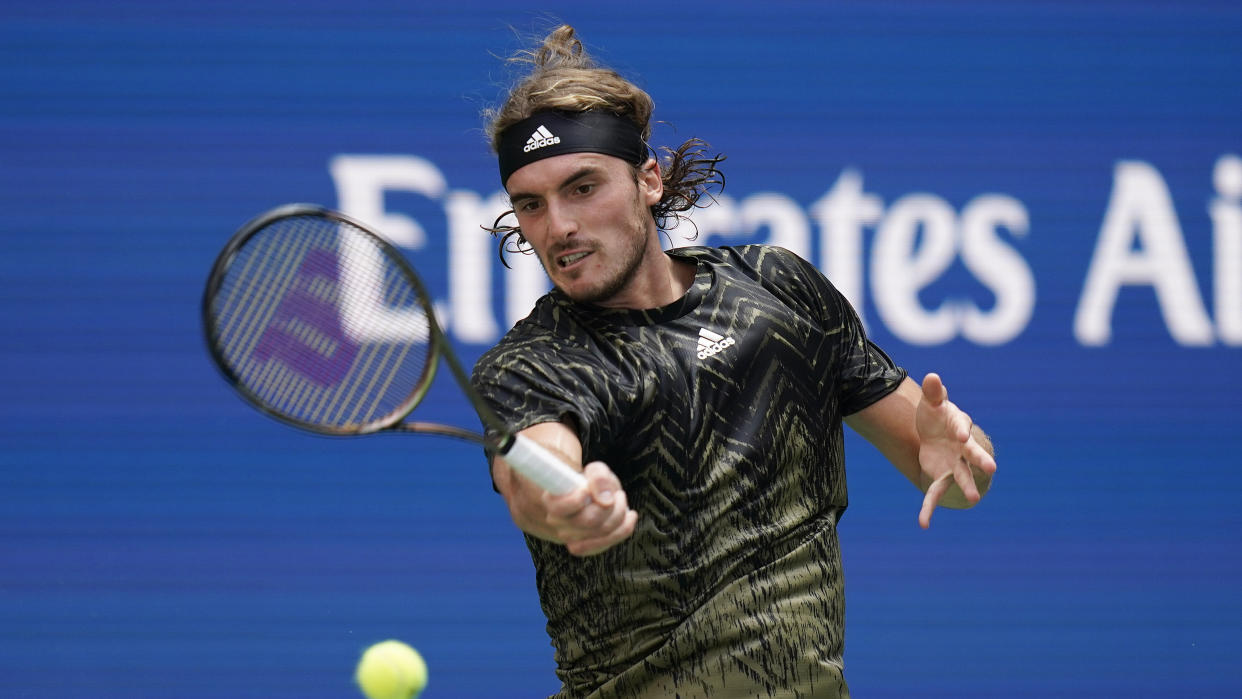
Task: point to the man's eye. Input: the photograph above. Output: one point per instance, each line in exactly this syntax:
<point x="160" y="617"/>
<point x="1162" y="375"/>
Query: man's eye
<point x="585" y="188"/>
<point x="528" y="206"/>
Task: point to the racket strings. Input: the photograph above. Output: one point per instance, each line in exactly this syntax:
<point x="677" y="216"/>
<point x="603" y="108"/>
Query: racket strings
<point x="316" y="321"/>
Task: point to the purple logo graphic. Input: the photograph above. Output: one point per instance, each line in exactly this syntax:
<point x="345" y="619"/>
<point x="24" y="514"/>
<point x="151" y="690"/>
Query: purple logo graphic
<point x="305" y="332"/>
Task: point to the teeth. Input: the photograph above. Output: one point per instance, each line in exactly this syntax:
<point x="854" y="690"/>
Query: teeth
<point x="570" y="259"/>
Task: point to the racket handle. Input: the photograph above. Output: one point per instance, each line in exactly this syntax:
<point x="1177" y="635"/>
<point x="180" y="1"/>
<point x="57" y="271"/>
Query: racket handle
<point x="542" y="467"/>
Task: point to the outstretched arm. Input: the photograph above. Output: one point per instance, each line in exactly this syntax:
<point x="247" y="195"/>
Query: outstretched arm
<point x="932" y="442"/>
<point x="588" y="520"/>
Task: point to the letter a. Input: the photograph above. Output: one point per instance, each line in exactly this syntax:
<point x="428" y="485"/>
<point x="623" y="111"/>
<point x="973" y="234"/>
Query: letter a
<point x="1141" y="210"/>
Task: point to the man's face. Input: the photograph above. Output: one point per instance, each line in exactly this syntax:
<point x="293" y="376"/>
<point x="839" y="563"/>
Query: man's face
<point x="588" y="219"/>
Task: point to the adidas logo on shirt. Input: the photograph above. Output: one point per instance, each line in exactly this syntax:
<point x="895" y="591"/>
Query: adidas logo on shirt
<point x="542" y="137"/>
<point x="711" y="344"/>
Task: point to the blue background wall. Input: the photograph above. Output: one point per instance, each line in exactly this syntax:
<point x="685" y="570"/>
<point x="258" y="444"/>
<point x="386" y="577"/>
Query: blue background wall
<point x="159" y="538"/>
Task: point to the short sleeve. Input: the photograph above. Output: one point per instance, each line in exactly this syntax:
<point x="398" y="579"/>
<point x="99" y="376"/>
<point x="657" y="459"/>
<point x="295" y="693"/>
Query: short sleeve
<point x="528" y="380"/>
<point x="864" y="373"/>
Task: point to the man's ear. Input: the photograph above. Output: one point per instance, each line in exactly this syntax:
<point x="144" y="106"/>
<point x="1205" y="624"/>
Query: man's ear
<point x="651" y="182"/>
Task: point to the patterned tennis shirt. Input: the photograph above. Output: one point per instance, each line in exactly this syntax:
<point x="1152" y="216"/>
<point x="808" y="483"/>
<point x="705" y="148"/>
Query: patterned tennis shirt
<point x="722" y="416"/>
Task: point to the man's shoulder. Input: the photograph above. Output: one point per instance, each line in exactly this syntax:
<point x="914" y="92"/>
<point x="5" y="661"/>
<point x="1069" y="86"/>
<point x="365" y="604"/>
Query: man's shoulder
<point x="754" y="255"/>
<point x="763" y="263"/>
<point x="548" y="329"/>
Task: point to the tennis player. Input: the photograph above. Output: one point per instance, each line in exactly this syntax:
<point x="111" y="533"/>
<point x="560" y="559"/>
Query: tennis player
<point x="704" y="389"/>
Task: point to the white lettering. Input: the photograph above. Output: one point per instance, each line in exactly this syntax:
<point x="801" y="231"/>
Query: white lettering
<point x="787" y="225"/>
<point x="720" y="219"/>
<point x="841" y="214"/>
<point x="361" y="181"/>
<point x="1226" y="211"/>
<point x="470" y="266"/>
<point x="540" y="143"/>
<point x="364" y="315"/>
<point x="916" y="241"/>
<point x="525" y="282"/>
<point x="999" y="267"/>
<point x="1140" y="211"/>
<point x="899" y="270"/>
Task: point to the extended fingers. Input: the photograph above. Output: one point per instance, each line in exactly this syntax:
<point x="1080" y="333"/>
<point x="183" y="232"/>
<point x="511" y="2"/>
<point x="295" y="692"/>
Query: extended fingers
<point x="965" y="479"/>
<point x="935" y="492"/>
<point x="980" y="458"/>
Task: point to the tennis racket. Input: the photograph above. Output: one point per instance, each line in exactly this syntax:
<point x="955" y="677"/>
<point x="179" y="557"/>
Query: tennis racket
<point x="319" y="322"/>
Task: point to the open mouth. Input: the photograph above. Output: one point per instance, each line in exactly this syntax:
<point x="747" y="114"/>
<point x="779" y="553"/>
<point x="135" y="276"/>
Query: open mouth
<point x="568" y="260"/>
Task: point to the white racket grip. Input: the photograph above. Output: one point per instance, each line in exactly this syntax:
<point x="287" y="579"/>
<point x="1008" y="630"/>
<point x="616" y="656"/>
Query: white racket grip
<point x="542" y="467"/>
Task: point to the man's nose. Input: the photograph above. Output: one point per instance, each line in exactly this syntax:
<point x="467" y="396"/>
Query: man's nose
<point x="562" y="222"/>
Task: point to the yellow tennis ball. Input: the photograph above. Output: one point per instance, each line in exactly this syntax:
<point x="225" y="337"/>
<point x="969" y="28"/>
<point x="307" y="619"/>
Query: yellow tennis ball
<point x="391" y="670"/>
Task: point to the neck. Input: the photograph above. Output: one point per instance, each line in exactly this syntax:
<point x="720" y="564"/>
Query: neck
<point x="661" y="280"/>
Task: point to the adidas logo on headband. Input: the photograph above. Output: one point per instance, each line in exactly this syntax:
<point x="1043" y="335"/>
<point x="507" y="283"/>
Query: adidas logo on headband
<point x="542" y="137"/>
<point x="532" y="138"/>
